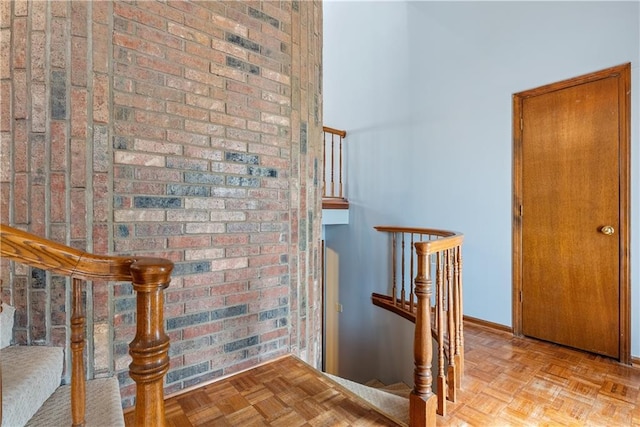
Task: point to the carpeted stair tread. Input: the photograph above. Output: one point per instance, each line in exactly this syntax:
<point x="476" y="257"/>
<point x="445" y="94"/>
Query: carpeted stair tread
<point x="104" y="408"/>
<point x="391" y="404"/>
<point x="399" y="389"/>
<point x="30" y="374"/>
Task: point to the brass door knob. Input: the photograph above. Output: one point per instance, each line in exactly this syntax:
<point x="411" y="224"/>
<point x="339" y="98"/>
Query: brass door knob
<point x="607" y="230"/>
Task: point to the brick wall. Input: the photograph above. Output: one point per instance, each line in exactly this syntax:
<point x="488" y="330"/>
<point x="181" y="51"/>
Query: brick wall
<point x="186" y="130"/>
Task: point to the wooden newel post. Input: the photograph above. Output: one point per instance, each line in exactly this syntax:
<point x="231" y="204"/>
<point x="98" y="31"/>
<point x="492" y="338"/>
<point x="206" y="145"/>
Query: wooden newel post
<point x="422" y="401"/>
<point x="150" y="347"/>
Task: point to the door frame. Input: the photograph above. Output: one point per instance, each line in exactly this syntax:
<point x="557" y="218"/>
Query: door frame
<point x="623" y="73"/>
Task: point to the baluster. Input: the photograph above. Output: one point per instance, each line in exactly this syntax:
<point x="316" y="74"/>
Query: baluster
<point x="451" y="327"/>
<point x="459" y="351"/>
<point x="422" y="401"/>
<point x="402" y="292"/>
<point x="324" y="163"/>
<point x="393" y="262"/>
<point x="340" y="171"/>
<point x="442" y="381"/>
<point x="149" y="349"/>
<point x="78" y="385"/>
<point x="411" y="296"/>
<point x="333" y="167"/>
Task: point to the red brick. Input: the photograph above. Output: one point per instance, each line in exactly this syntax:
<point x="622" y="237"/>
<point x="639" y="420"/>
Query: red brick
<point x="188" y="34"/>
<point x="262" y="260"/>
<point x="38" y="107"/>
<point x="58" y="43"/>
<point x="5" y="52"/>
<point x="230" y="239"/>
<point x="173" y="296"/>
<point x="100" y="98"/>
<point x="240" y="251"/>
<point x="264" y="128"/>
<point x="5" y="14"/>
<point x="79" y="18"/>
<point x="129" y="129"/>
<point x="79" y="113"/>
<point x="212" y="129"/>
<point x="4" y="206"/>
<point x="230" y="25"/>
<point x="100" y="239"/>
<point x="100" y="202"/>
<point x="187" y="137"/>
<point x="188" y="241"/>
<point x="78" y="163"/>
<point x="208" y="279"/>
<point x="58" y="197"/>
<point x="37" y="55"/>
<point x="78" y="214"/>
<point x="138" y="15"/>
<point x="188" y="111"/>
<point x="101" y="12"/>
<point x="157" y="119"/>
<point x="19" y="33"/>
<point x="168" y="66"/>
<point x="200" y="330"/>
<point x="79" y="61"/>
<point x="5" y="106"/>
<point x="58" y="137"/>
<point x="100" y="46"/>
<point x="142" y="102"/>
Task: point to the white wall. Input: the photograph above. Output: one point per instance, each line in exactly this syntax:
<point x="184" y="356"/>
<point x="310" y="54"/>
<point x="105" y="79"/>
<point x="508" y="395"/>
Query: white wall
<point x="424" y="91"/>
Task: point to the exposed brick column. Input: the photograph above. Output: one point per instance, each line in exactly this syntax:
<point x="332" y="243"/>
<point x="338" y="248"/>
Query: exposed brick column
<point x="185" y="130"/>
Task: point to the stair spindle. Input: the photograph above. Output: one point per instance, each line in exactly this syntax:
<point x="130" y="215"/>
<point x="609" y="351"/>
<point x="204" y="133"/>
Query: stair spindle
<point x="78" y="385"/>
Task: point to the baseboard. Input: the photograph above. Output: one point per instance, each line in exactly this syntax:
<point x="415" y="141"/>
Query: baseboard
<point x="487" y="324"/>
<point x="635" y="361"/>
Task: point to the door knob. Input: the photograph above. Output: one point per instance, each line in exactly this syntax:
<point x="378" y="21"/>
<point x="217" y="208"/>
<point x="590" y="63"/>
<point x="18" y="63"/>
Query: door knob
<point x="607" y="230"/>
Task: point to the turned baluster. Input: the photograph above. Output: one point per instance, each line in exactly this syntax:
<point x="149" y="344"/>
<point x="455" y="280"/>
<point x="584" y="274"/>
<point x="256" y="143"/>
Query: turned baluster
<point x="451" y="327"/>
<point x="440" y="295"/>
<point x="422" y="401"/>
<point x="340" y="184"/>
<point x="459" y="351"/>
<point x="393" y="263"/>
<point x="78" y="385"/>
<point x="411" y="293"/>
<point x="333" y="167"/>
<point x="402" y="291"/>
<point x="149" y="349"/>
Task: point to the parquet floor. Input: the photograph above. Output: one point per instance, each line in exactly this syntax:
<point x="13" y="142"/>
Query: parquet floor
<point x="285" y="393"/>
<point x="508" y="381"/>
<point x="512" y="381"/>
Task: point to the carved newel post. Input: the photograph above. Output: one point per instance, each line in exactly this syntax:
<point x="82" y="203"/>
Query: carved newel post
<point x="150" y="347"/>
<point x="422" y="401"/>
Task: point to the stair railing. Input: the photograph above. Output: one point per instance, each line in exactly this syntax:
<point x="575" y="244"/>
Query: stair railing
<point x="149" y="349"/>
<point x="333" y="172"/>
<point x="437" y="259"/>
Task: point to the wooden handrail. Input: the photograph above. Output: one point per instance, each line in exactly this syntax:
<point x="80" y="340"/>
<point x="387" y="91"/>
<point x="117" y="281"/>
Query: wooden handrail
<point x="149" y="349"/>
<point x="442" y="322"/>
<point x="342" y="133"/>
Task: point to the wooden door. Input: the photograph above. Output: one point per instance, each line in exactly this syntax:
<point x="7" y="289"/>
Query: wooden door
<point x="571" y="194"/>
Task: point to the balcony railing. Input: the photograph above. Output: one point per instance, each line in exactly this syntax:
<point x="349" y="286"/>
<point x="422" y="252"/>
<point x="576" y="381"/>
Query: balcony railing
<point x="333" y="193"/>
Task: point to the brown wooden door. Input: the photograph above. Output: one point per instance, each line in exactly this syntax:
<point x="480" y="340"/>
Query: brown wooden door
<point x="570" y="172"/>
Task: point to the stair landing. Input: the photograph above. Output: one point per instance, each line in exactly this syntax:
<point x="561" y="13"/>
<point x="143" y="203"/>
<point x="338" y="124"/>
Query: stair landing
<point x="283" y="392"/>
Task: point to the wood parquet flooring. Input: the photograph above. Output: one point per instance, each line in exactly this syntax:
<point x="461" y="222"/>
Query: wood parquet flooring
<point x="509" y="381"/>
<point x="512" y="381"/>
<point x="286" y="392"/>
